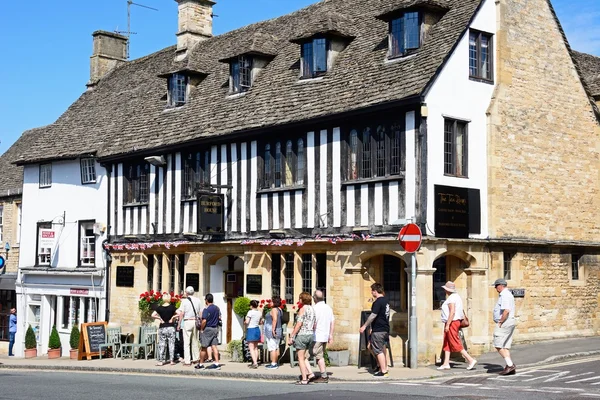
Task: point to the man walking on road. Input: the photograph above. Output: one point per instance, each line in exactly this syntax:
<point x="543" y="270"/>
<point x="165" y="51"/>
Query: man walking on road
<point x="379" y="319"/>
<point x="504" y="317"/>
<point x="12" y="331"/>
<point x="209" y="333"/>
<point x="323" y="334"/>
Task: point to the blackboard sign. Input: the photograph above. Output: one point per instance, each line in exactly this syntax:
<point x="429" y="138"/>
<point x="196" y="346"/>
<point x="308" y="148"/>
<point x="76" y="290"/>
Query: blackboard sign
<point x="364" y="355"/>
<point x="125" y="276"/>
<point x="192" y="280"/>
<point x="254" y="284"/>
<point x="210" y="214"/>
<point x="92" y="336"/>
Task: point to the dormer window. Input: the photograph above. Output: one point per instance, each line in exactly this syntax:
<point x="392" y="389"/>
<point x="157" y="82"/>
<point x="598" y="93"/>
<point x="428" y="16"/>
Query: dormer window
<point x="405" y="33"/>
<point x="241" y="74"/>
<point x="177" y="89"/>
<point x="314" y="57"/>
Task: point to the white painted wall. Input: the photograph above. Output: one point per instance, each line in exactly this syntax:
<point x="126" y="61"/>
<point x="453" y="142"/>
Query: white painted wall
<point x="453" y="94"/>
<point x="217" y="288"/>
<point x="67" y="194"/>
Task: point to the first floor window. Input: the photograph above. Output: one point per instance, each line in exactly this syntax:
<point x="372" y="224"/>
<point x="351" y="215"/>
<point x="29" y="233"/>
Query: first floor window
<point x="375" y="151"/>
<point x="455" y="148"/>
<point x="45" y="175"/>
<point x="46" y="242"/>
<point x="88" y="170"/>
<point x="136" y="183"/>
<point x="87" y="255"/>
<point x="276" y="274"/>
<point x="480" y="55"/>
<point x="575" y="267"/>
<point x="195" y="173"/>
<point x="284" y="164"/>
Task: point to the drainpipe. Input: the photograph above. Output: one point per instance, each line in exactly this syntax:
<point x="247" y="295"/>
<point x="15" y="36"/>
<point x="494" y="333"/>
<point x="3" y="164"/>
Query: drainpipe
<point x="107" y="256"/>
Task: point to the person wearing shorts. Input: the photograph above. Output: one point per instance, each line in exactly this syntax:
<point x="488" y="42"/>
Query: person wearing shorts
<point x="252" y="321"/>
<point x="302" y="336"/>
<point x="504" y="317"/>
<point x="209" y="333"/>
<point x="380" y="332"/>
<point x="273" y="331"/>
<point x="324" y="323"/>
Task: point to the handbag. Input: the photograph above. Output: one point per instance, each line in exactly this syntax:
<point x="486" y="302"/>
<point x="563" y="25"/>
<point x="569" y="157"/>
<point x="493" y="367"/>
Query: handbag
<point x="464" y="323"/>
<point x="198" y="319"/>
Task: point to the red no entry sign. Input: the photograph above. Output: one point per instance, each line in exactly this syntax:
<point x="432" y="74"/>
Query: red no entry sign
<point x="410" y="237"/>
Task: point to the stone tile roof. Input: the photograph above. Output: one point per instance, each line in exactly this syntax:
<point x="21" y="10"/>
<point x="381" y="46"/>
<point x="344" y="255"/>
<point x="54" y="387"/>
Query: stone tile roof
<point x="589" y="66"/>
<point x="127" y="112"/>
<point x="11" y="175"/>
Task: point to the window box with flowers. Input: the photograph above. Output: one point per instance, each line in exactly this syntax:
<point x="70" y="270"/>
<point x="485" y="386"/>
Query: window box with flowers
<point x="150" y="300"/>
<point x="267" y="305"/>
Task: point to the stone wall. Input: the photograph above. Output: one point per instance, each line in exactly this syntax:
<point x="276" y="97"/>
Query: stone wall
<point x="10" y="224"/>
<point x="543" y="138"/>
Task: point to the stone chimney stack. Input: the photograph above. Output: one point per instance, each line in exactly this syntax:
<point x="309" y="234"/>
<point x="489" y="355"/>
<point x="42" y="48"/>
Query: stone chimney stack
<point x="110" y="50"/>
<point x="194" y="23"/>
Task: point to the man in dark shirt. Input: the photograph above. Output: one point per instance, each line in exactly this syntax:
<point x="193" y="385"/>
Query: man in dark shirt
<point x="380" y="327"/>
<point x="209" y="333"/>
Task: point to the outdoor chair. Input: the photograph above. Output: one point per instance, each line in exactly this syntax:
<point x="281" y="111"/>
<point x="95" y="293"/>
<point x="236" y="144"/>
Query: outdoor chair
<point x="113" y="341"/>
<point x="146" y="343"/>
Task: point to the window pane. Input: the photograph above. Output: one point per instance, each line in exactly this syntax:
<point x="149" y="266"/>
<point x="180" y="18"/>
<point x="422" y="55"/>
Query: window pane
<point x="181" y="273"/>
<point x="245" y="72"/>
<point x="88" y="244"/>
<point x="473" y="54"/>
<point x="461" y="149"/>
<point x="307" y="60"/>
<point x="150" y="272"/>
<point x="188" y="177"/>
<point x="207" y="168"/>
<point x="320" y="53"/>
<point x="449" y="147"/>
<point x="412" y="30"/>
<point x="267" y="173"/>
<point x="178" y="86"/>
<point x="507" y="265"/>
<point x="366" y="154"/>
<point x="278" y="164"/>
<point x="574" y="267"/>
<point x="276" y="274"/>
<point x="380" y="142"/>
<point x="289" y="278"/>
<point x="485" y="60"/>
<point x="397" y="37"/>
<point x="353" y="156"/>
<point x="307" y="273"/>
<point x="289" y="164"/>
<point x="172" y="265"/>
<point x="396" y="164"/>
<point x="235" y="76"/>
<point x="321" y="268"/>
<point x="300" y="161"/>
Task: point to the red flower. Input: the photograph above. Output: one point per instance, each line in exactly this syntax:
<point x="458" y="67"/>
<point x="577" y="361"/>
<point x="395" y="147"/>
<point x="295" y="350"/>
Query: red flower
<point x="283" y="303"/>
<point x="261" y="306"/>
<point x="151" y="292"/>
<point x="172" y="294"/>
<point x="148" y="299"/>
<point x="262" y="302"/>
<point x="293" y="307"/>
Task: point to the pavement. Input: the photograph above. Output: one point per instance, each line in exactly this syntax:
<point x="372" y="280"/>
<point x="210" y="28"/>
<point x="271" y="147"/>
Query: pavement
<point x="523" y="355"/>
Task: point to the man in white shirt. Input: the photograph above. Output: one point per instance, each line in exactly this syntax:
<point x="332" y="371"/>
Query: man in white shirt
<point x="324" y="322"/>
<point x="190" y="308"/>
<point x="504" y="317"/>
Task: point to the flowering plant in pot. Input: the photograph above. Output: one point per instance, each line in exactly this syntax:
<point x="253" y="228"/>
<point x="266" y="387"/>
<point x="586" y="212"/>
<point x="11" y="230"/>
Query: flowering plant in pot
<point x="150" y="300"/>
<point x="30" y="343"/>
<point x="74" y="343"/>
<point x="54" y="344"/>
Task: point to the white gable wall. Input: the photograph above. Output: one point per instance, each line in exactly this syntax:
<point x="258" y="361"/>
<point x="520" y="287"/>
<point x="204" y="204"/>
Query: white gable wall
<point x="454" y="95"/>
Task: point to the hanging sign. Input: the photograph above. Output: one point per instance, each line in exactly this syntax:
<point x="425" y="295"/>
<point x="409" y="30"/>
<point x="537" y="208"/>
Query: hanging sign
<point x="210" y="214"/>
<point x="47" y="238"/>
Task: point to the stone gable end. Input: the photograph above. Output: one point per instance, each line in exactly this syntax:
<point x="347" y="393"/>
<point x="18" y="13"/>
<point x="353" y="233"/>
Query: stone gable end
<point x="543" y="136"/>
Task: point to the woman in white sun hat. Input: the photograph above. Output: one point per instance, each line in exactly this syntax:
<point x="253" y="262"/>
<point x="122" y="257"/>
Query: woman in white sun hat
<point x="452" y="314"/>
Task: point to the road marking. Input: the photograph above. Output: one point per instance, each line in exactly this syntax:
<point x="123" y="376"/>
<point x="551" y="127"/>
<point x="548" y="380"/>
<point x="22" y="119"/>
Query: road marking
<point x="563" y="375"/>
<point x="468" y="384"/>
<point x="406" y="384"/>
<point x="562" y="388"/>
<point x="590" y="394"/>
<point x="542" y="390"/>
<point x="584" y="379"/>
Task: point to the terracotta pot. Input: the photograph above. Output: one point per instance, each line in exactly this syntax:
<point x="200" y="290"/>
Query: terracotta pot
<point x="30" y="353"/>
<point x="54" y="353"/>
<point x="73" y="354"/>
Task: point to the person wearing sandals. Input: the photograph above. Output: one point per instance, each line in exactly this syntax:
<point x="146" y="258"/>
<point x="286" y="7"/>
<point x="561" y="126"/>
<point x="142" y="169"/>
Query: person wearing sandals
<point x="252" y="321"/>
<point x="273" y="331"/>
<point x="166" y="314"/>
<point x="452" y="314"/>
<point x="302" y="336"/>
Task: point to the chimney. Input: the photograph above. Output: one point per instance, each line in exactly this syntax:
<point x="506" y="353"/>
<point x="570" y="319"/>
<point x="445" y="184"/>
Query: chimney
<point x="110" y="50"/>
<point x="194" y="22"/>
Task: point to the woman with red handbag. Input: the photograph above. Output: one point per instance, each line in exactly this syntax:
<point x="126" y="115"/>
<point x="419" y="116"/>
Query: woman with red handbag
<point x="452" y="315"/>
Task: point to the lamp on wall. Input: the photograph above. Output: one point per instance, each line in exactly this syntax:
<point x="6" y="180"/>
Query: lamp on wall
<point x="7" y="249"/>
<point x="277" y="233"/>
<point x="157" y="161"/>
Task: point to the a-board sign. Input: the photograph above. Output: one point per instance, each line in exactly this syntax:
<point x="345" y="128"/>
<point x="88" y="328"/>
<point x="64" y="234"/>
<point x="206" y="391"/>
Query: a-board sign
<point x="92" y="335"/>
<point x="254" y="284"/>
<point x="364" y="355"/>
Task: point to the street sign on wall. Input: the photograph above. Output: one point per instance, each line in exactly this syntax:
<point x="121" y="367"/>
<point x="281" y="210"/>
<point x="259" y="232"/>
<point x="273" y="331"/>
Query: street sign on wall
<point x="410" y="237"/>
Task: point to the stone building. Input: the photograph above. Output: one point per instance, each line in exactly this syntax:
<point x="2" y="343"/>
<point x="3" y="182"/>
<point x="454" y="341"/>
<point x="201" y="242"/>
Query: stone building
<point x="285" y="156"/>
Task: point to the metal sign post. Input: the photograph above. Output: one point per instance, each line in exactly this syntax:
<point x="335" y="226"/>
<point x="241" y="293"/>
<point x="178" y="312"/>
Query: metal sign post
<point x="410" y="238"/>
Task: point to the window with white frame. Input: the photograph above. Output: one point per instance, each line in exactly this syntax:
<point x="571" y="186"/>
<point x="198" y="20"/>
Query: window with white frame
<point x="45" y="243"/>
<point x="241" y="74"/>
<point x="177" y="90"/>
<point x="88" y="170"/>
<point x="1" y="222"/>
<point x="45" y="175"/>
<point x="87" y="243"/>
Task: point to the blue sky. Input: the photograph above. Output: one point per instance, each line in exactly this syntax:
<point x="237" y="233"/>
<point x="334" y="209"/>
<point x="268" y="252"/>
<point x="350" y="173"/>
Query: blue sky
<point x="45" y="45"/>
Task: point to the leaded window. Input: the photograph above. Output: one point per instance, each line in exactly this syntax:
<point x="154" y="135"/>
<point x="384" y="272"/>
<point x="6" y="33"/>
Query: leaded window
<point x="276" y="274"/>
<point x="177" y="90"/>
<point x="45" y="175"/>
<point x="405" y="34"/>
<point x="380" y="141"/>
<point x="366" y="170"/>
<point x="314" y="58"/>
<point x="392" y="281"/>
<point x="278" y="164"/>
<point x="300" y="162"/>
<point x="193" y="174"/>
<point x="289" y="277"/>
<point x="241" y="74"/>
<point x="284" y="165"/>
<point x="455" y="148"/>
<point x="480" y="56"/>
<point x="136" y="184"/>
<point x="289" y="163"/>
<point x="307" y="273"/>
<point x="353" y="155"/>
<point x="267" y="163"/>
